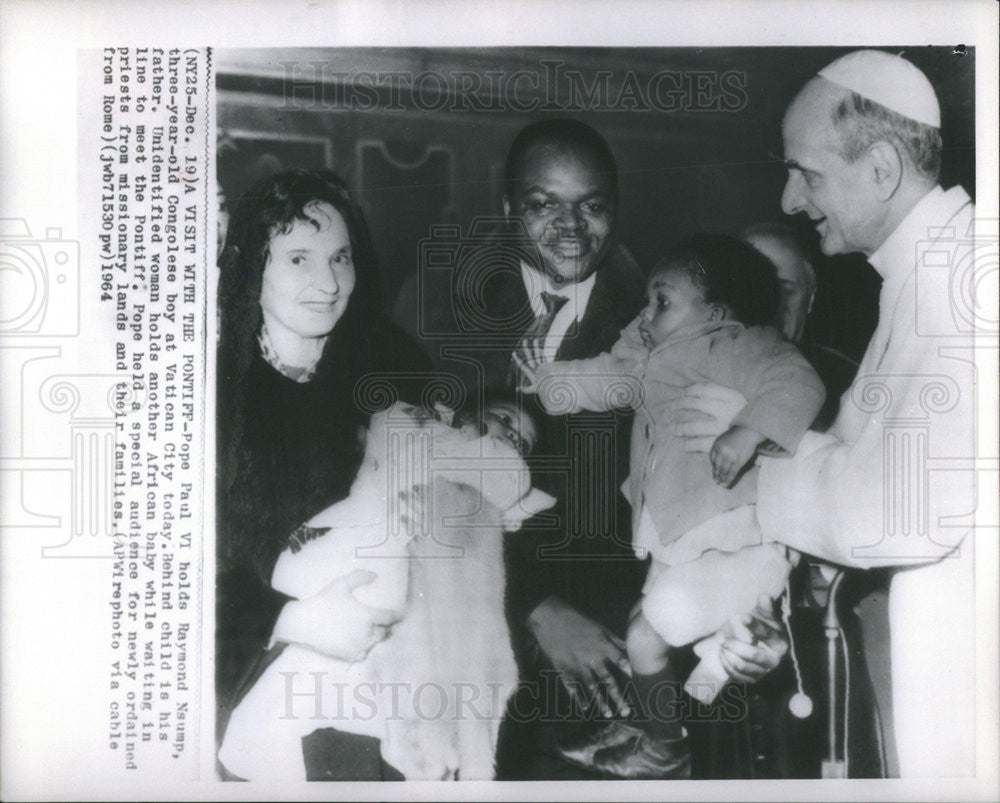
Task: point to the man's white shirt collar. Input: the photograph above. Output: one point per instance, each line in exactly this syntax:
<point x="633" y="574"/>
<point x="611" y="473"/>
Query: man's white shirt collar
<point x="578" y="296"/>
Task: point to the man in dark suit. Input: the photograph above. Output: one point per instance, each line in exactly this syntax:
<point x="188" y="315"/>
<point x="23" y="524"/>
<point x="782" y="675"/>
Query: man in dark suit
<point x="571" y="573"/>
<point x="556" y="279"/>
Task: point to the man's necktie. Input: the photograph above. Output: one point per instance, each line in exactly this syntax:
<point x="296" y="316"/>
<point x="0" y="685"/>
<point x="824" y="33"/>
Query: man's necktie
<point x="537" y="331"/>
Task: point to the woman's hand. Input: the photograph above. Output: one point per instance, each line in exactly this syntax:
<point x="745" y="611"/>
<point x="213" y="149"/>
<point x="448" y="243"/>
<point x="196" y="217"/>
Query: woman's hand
<point x="583" y="653"/>
<point x="703" y="412"/>
<point x="757" y="645"/>
<point x="333" y="622"/>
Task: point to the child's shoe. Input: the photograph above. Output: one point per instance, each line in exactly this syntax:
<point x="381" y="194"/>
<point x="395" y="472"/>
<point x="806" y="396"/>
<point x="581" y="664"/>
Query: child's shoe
<point x="640" y="757"/>
<point x="579" y="747"/>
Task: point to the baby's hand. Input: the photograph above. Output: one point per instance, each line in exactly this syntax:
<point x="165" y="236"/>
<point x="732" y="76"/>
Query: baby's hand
<point x="535" y="502"/>
<point x="731" y="451"/>
<point x="527" y="357"/>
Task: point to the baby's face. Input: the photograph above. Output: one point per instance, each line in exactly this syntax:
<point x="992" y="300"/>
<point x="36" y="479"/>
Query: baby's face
<point x="673" y="301"/>
<point x="505" y="421"/>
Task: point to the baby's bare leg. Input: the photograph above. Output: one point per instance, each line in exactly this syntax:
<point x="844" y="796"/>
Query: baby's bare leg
<point x="655" y="681"/>
<point x="660" y="750"/>
<point x="647" y="651"/>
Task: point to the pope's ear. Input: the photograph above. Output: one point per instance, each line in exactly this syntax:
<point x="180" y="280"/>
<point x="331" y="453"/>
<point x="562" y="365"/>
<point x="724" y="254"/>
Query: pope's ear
<point x="886" y="168"/>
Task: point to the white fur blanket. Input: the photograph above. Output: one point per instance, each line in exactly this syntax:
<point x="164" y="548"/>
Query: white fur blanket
<point x="452" y="650"/>
<point x="435" y="690"/>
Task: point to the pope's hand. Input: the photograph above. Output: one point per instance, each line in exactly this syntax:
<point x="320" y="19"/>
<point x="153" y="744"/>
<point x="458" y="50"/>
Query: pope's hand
<point x="757" y="644"/>
<point x="702" y="413"/>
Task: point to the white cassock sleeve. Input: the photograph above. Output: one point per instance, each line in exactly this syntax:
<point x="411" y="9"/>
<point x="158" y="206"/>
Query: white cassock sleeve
<point x="892" y="484"/>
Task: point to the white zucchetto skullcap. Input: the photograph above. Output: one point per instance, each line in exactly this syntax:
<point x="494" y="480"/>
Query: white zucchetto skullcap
<point x="889" y="80"/>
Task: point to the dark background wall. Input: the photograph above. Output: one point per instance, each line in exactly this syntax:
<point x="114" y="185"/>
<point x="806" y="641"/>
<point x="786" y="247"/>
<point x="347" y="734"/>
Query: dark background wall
<point x="696" y="133"/>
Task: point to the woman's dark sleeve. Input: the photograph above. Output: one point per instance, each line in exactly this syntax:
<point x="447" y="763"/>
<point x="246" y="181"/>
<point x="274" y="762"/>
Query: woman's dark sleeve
<point x="246" y="611"/>
<point x="409" y="368"/>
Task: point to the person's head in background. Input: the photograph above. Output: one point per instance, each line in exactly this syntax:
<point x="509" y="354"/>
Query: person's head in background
<point x="297" y="257"/>
<point x="862" y="146"/>
<point x="796" y="277"/>
<point x="708" y="278"/>
<point x="561" y="180"/>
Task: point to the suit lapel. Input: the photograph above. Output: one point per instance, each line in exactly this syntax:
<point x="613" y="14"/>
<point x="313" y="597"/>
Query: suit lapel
<point x="613" y="303"/>
<point x="512" y="303"/>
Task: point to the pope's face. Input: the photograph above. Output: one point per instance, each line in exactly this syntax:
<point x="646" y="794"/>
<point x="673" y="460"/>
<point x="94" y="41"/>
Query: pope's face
<point x="567" y="206"/>
<point x="833" y="192"/>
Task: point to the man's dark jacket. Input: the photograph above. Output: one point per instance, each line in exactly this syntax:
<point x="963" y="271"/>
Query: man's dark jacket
<point x="580" y="550"/>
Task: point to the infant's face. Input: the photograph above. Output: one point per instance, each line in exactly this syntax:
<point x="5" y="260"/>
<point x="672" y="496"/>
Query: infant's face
<point x="503" y="420"/>
<point x="673" y="302"/>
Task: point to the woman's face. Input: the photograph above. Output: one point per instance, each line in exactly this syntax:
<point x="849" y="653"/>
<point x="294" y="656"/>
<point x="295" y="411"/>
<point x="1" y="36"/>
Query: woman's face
<point x="309" y="275"/>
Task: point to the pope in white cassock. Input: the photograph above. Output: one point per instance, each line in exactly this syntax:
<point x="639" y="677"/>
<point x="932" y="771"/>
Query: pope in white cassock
<point x="892" y="482"/>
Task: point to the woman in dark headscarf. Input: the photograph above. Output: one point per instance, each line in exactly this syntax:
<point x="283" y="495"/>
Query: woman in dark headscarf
<point x="300" y="327"/>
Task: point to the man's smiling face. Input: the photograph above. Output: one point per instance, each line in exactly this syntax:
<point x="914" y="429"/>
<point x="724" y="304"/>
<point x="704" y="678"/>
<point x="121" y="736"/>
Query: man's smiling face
<point x="567" y="206"/>
<point x="833" y="192"/>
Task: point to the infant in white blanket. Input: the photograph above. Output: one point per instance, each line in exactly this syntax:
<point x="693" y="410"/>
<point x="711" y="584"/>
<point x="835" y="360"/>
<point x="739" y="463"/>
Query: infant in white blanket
<point x="435" y="689"/>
